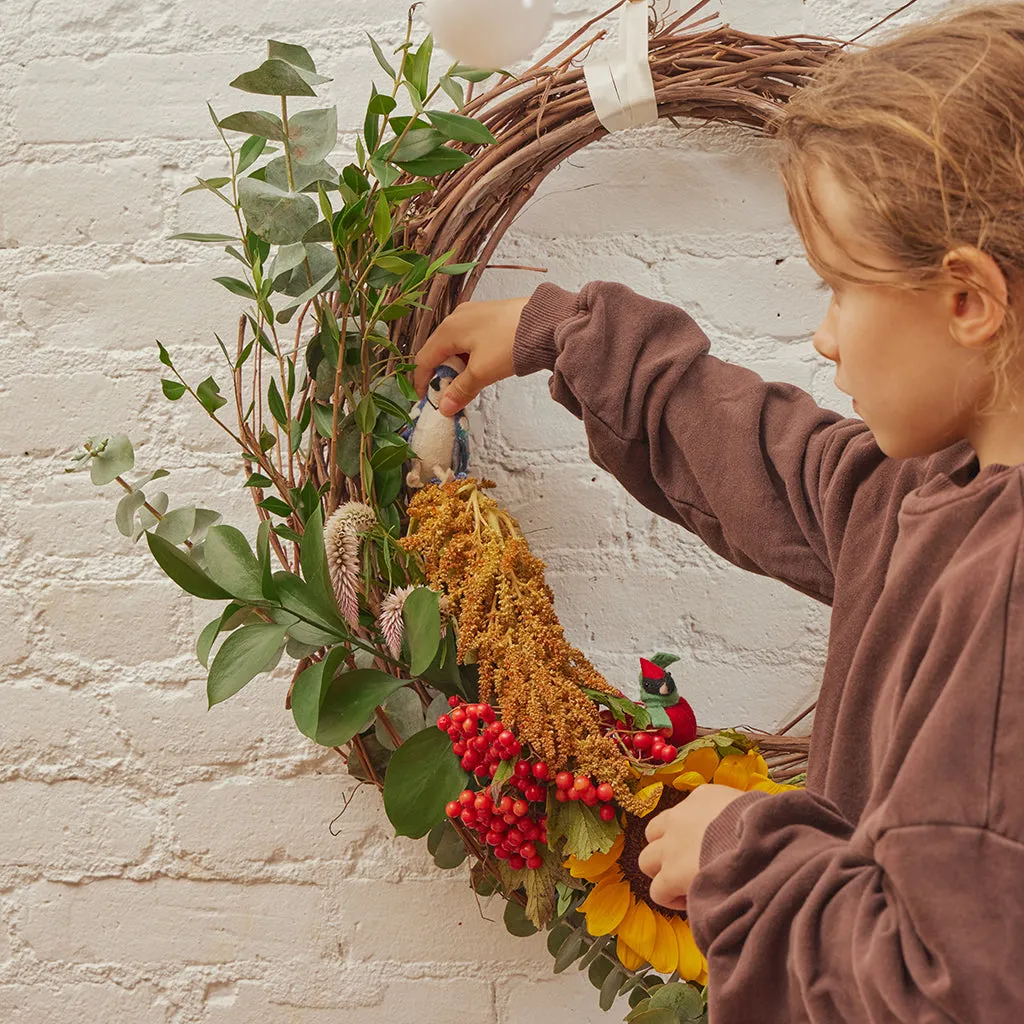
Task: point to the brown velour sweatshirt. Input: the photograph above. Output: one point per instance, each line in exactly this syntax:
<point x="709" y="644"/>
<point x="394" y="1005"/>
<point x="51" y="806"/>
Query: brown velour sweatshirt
<point x="892" y="888"/>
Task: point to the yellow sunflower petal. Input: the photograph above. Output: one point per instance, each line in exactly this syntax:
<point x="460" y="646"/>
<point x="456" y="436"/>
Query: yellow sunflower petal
<point x="637" y="928"/>
<point x="761" y="765"/>
<point x="691" y="960"/>
<point x="647" y="799"/>
<point x="630" y="958"/>
<point x="735" y="771"/>
<point x="704" y="760"/>
<point x="688" y="781"/>
<point x="607" y="904"/>
<point x="665" y="953"/>
<point x="593" y="868"/>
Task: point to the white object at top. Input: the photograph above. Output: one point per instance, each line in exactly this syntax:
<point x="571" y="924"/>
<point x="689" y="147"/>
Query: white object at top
<point x="489" y="33"/>
<point x="621" y="86"/>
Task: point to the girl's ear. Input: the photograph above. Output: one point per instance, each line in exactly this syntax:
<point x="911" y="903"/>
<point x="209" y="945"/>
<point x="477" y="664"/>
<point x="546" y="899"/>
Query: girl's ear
<point x="978" y="296"/>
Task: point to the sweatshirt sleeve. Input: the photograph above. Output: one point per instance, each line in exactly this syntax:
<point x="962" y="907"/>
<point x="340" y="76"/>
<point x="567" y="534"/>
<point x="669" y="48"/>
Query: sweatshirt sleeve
<point x="923" y="925"/>
<point x="759" y="471"/>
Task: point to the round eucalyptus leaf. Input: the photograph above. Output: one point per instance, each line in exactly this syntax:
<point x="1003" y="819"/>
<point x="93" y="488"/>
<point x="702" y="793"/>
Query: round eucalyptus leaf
<point x="276" y="216"/>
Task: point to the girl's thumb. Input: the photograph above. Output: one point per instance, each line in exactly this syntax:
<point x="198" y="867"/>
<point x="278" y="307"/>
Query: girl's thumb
<point x="457" y="395"/>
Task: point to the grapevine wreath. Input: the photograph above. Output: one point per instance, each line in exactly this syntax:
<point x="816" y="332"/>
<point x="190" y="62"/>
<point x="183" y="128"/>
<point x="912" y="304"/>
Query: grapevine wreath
<point x="428" y="651"/>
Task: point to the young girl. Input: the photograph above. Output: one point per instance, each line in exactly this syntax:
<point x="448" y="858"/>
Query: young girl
<point x="892" y="888"/>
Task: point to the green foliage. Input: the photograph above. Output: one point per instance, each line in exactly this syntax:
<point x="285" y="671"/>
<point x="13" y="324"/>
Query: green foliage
<point x="245" y="654"/>
<point x="584" y="831"/>
<point x="422" y="777"/>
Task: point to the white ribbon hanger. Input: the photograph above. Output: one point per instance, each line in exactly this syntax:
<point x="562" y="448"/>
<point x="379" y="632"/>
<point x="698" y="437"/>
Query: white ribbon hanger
<point x="621" y="86"/>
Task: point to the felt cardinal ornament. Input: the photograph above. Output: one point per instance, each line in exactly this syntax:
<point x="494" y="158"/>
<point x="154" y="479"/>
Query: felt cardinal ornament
<point x="662" y="700"/>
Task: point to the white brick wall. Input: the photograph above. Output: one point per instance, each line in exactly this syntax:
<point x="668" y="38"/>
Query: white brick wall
<point x="159" y="863"/>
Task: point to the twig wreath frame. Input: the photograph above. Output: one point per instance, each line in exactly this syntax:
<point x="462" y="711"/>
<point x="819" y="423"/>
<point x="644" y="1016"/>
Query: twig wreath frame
<point x="428" y="651"/>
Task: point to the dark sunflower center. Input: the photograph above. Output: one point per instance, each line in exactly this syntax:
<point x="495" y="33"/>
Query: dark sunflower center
<point x="635" y="841"/>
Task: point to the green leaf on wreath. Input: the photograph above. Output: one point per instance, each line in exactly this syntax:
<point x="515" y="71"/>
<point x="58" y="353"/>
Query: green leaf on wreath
<point x="277" y="216"/>
<point x="258" y="123"/>
<point x="245" y="654"/>
<point x="445" y="845"/>
<point x="422" y="777"/>
<point x="330" y="708"/>
<point x="183" y="570"/>
<point x="541" y="896"/>
<point x="313" y="134"/>
<point x="584" y="831"/>
<point x="422" y="618"/>
<point x="681" y="999"/>
<point x="209" y="395"/>
<point x="117" y="457"/>
<point x="275" y="77"/>
<point x="623" y="708"/>
<point x="231" y="564"/>
<point x="295" y="595"/>
<point x="656" y="1015"/>
<point x="461" y="128"/>
<point x="517" y="922"/>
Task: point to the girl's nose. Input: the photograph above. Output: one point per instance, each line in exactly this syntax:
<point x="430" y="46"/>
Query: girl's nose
<point x="825" y="344"/>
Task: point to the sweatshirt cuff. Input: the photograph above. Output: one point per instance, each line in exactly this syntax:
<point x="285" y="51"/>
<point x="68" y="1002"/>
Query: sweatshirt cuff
<point x="723" y="834"/>
<point x="534" y="346"/>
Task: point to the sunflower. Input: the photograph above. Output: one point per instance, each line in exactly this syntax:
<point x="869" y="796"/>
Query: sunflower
<point x="620" y="903"/>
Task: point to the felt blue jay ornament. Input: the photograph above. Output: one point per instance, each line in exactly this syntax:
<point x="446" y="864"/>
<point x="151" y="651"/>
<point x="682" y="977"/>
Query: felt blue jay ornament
<point x="441" y="443"/>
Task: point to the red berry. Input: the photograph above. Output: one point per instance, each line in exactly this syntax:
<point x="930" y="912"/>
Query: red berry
<point x="458" y="716"/>
<point x="483" y="771"/>
<point x="487" y="713"/>
<point x="540" y="770"/>
<point x="590" y="797"/>
<point x="607" y="812"/>
<point x="669" y="753"/>
<point x="534" y="793"/>
<point x="453" y="809"/>
<point x="529" y="830"/>
<point x="494" y="729"/>
<point x="454" y="702"/>
<point x="528" y="850"/>
<point x="444" y="723"/>
<point x="520" y="784"/>
<point x="581" y="783"/>
<point x="514" y="837"/>
<point x="454" y="733"/>
<point x="509" y="818"/>
<point x="479" y="743"/>
<point x="482" y="802"/>
<point x="505" y="738"/>
<point x="469" y="727"/>
<point x="468" y="817"/>
<point x="499" y="826"/>
<point x="516" y="863"/>
<point x="520" y="808"/>
<point x="458" y="749"/>
<point x="563" y="780"/>
<point x="493" y="838"/>
<point x="534" y="862"/>
<point x="501" y="853"/>
<point x="642" y="741"/>
<point x="466" y="797"/>
<point x="505" y="804"/>
<point x="605" y="792"/>
<point x="573" y="794"/>
<point x="470" y="760"/>
<point x="667" y="732"/>
<point x="562" y="795"/>
<point x="515" y="749"/>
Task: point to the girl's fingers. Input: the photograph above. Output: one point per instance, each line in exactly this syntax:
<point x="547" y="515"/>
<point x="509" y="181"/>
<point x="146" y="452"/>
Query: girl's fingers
<point x="437" y="348"/>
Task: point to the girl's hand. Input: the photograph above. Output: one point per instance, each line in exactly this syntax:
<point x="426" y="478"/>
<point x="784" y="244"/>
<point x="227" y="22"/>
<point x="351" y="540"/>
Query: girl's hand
<point x="672" y="859"/>
<point x="483" y="333"/>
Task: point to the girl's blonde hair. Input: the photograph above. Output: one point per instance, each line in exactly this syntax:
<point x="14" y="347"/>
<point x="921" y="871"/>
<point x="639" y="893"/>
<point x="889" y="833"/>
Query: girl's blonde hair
<point x="925" y="132"/>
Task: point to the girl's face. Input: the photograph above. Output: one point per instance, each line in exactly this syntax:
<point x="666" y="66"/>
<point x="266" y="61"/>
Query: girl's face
<point x="914" y="385"/>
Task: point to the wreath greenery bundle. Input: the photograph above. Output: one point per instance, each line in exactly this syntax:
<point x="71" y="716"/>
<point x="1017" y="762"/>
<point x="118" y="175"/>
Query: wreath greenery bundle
<point x="428" y="651"/>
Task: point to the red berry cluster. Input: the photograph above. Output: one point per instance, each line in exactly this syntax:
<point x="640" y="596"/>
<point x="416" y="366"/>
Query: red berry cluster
<point x="508" y="825"/>
<point x="579" y="787"/>
<point x="645" y="745"/>
<point x="478" y="737"/>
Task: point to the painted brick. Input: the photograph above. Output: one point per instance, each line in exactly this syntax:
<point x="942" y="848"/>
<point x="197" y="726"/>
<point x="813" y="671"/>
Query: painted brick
<point x="171" y="921"/>
<point x="116" y="307"/>
<point x="173" y="728"/>
<point x="54" y="723"/>
<point x="564" y="997"/>
<point x="73" y="203"/>
<point x="259" y="819"/>
<point x="74" y="826"/>
<point x="423" y="1000"/>
<point x="468" y="937"/>
<point x="14" y="640"/>
<point x="42" y="418"/>
<point x="81" y="1004"/>
<point x="114" y="620"/>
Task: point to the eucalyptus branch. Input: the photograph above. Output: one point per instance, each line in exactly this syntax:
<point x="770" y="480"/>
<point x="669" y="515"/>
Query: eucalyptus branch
<point x="159" y="516"/>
